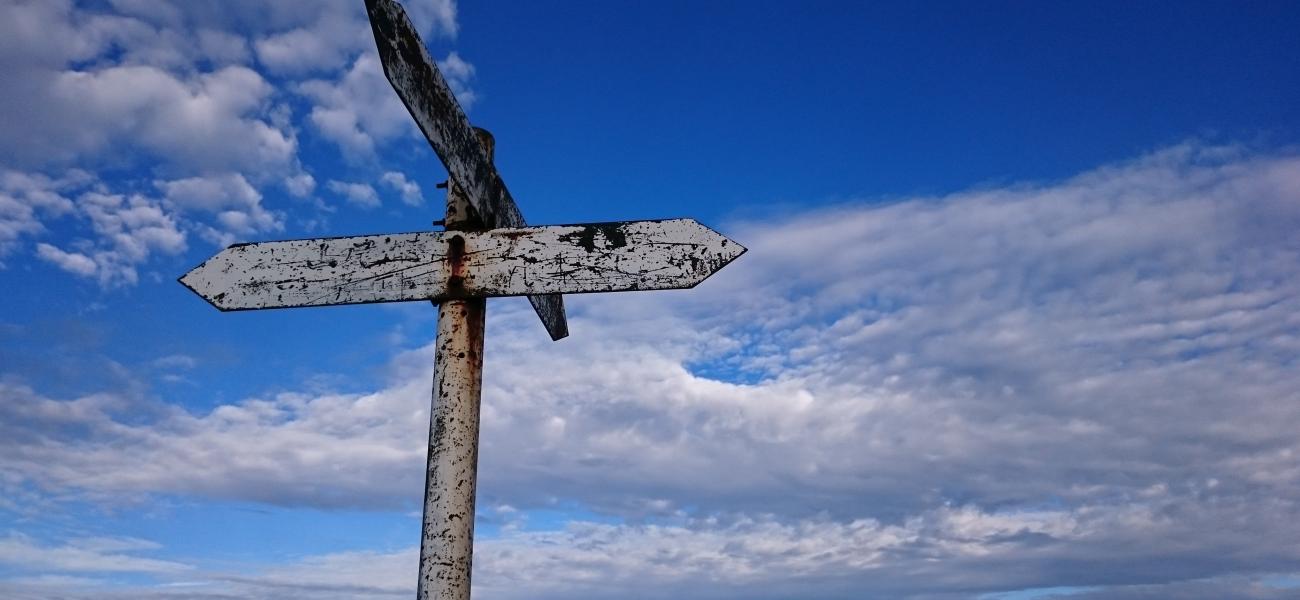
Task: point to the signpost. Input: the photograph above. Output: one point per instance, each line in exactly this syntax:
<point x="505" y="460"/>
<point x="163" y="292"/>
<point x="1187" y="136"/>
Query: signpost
<point x="487" y="251"/>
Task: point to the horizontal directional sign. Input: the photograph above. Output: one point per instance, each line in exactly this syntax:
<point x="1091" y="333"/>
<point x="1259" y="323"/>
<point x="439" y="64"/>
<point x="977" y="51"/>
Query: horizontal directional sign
<point x="417" y="81"/>
<point x="560" y="259"/>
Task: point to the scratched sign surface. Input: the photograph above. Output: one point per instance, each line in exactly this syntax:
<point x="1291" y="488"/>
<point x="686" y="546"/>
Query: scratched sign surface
<point x="560" y="259"/>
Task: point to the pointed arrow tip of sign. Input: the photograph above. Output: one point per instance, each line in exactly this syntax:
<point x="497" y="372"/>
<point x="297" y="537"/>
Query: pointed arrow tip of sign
<point x="193" y="283"/>
<point x="185" y="280"/>
<point x="730" y="248"/>
<point x="723" y="249"/>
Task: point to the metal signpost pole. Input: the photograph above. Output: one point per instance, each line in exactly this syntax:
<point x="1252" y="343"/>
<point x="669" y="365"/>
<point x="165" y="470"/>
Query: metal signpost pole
<point x="447" y="539"/>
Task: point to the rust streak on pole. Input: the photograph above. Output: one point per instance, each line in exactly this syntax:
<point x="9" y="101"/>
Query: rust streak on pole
<point x="447" y="540"/>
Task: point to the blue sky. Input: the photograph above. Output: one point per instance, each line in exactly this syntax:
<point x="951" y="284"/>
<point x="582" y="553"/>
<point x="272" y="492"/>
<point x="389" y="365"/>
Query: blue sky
<point x="1019" y="317"/>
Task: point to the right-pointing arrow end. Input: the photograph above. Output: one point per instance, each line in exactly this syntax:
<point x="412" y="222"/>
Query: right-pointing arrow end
<point x="721" y="251"/>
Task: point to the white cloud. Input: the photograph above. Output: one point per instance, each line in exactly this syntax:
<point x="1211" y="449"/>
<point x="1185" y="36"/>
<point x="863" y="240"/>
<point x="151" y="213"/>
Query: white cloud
<point x="80" y="80"/>
<point x="223" y="48"/>
<point x="300" y="185"/>
<point x="325" y="44"/>
<point x="125" y="231"/>
<point x="328" y="34"/>
<point x="436" y="16"/>
<point x="458" y="74"/>
<point x="360" y="194"/>
<point x="172" y="86"/>
<point x="358" y="110"/>
<point x="235" y="203"/>
<point x="88" y="555"/>
<point x="1117" y="347"/>
<point x="128" y="231"/>
<point x="27" y="197"/>
<point x="175" y="361"/>
<point x="364" y="428"/>
<point x="947" y="552"/>
<point x="367" y="574"/>
<point x="409" y="190"/>
<point x="212" y="121"/>
<point x="72" y="262"/>
<point x="211" y="194"/>
<point x="159" y="84"/>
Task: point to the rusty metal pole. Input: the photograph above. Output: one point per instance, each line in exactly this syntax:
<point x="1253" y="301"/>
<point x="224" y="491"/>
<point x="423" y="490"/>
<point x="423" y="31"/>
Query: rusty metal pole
<point x="447" y="540"/>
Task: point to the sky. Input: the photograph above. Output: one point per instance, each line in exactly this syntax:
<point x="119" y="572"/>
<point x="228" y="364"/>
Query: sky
<point x="1020" y="316"/>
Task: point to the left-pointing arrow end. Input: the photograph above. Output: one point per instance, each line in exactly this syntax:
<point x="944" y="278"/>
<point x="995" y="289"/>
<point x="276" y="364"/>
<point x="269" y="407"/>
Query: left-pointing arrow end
<point x="201" y="286"/>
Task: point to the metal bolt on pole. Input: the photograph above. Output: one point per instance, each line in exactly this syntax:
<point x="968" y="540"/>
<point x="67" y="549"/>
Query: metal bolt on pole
<point x="447" y="540"/>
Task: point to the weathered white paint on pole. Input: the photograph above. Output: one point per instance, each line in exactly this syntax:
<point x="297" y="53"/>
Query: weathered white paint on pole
<point x="557" y="259"/>
<point x="447" y="528"/>
<point x="421" y="87"/>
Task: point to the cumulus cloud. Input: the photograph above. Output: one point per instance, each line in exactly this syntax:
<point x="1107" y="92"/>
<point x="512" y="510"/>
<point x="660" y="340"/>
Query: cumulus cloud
<point x="409" y="190"/>
<point x="323" y="45"/>
<point x="128" y="230"/>
<point x="234" y="203"/>
<point x="222" y="48"/>
<point x="124" y="231"/>
<point x="178" y="80"/>
<point x="27" y="198"/>
<point x="364" y="425"/>
<point x="360" y="194"/>
<point x="207" y="121"/>
<point x="212" y="121"/>
<point x="359" y="109"/>
<point x="458" y="74"/>
<point x="300" y="185"/>
<point x="1074" y="383"/>
<point x="177" y="89"/>
<point x="73" y="262"/>
<point x="337" y="30"/>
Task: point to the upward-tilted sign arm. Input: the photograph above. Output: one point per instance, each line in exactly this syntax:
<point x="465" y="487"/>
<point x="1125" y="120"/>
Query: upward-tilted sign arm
<point x="417" y="81"/>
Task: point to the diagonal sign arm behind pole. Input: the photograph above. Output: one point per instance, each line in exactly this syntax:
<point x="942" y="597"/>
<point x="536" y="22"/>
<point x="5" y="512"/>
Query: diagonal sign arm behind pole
<point x="417" y="81"/>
